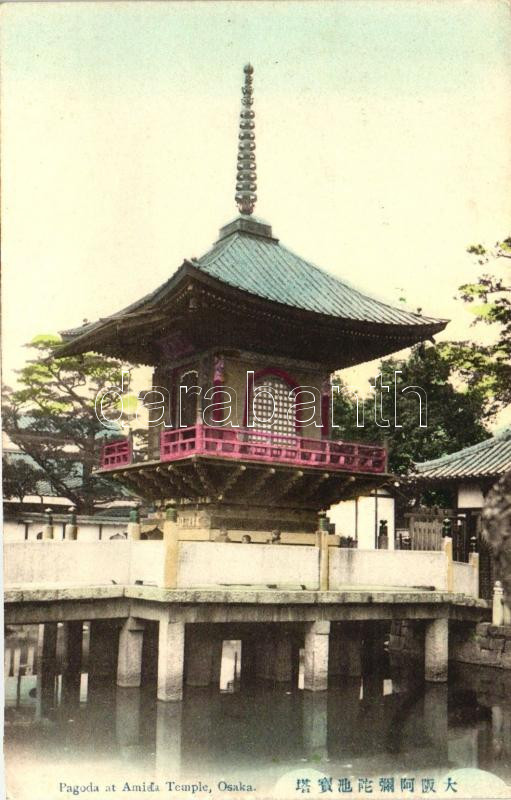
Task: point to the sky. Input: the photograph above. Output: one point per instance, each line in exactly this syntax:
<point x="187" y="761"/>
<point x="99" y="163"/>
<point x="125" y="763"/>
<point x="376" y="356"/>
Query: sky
<point x="382" y="133"/>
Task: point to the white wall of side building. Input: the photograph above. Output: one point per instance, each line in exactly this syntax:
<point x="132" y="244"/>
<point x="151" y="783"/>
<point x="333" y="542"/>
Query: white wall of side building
<point x="360" y="518"/>
<point x="16" y="530"/>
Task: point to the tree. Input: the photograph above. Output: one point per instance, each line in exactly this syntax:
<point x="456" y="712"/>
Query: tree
<point x="51" y="417"/>
<point x="20" y="477"/>
<point x="487" y="367"/>
<point x="454" y="415"/>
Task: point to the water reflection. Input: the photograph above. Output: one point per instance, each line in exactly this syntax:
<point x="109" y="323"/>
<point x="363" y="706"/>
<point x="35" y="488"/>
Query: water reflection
<point x="376" y="725"/>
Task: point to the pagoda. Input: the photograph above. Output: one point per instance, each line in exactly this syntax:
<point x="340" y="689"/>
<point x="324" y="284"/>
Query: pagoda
<point x="252" y="316"/>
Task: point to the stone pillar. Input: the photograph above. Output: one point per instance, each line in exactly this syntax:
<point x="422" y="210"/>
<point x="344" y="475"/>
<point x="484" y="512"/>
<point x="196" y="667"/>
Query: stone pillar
<point x="71" y="529"/>
<point x="48" y="526"/>
<point x="198" y="656"/>
<point x="47" y="655"/>
<point x="436" y="650"/>
<point x="134" y="528"/>
<point x="498" y="604"/>
<point x="435" y="718"/>
<point x="71" y="674"/>
<point x="447" y="543"/>
<point x="171" y="549"/>
<point x="315" y="724"/>
<point x="168" y="739"/>
<point x="282" y="665"/>
<point x="316" y="656"/>
<point x="473" y="560"/>
<point x="127" y="723"/>
<point x="171" y="648"/>
<point x="129" y="659"/>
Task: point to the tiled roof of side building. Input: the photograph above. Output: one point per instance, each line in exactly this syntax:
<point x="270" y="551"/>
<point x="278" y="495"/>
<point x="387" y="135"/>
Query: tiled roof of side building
<point x="490" y="458"/>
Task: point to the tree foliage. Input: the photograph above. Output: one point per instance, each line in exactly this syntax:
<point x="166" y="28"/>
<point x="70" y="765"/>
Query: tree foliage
<point x="19" y="477"/>
<point x="488" y="367"/>
<point x="454" y="415"/>
<point x="51" y="417"/>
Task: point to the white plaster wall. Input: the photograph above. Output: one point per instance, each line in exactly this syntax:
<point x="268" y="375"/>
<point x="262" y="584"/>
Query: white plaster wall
<point x="147" y="562"/>
<point x="352" y="567"/>
<point x="470" y="495"/>
<point x="218" y="563"/>
<point x="66" y="563"/>
<point x="362" y="525"/>
<point x="465" y="579"/>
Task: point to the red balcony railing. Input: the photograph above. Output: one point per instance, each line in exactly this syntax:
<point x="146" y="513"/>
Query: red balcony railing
<point x="248" y="444"/>
<point x="116" y="454"/>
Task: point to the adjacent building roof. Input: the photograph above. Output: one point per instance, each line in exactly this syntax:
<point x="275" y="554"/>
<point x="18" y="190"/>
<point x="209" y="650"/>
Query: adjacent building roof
<point x="488" y="459"/>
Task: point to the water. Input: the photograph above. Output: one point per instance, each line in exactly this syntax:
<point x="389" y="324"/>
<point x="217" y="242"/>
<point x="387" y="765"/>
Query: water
<point x="271" y="737"/>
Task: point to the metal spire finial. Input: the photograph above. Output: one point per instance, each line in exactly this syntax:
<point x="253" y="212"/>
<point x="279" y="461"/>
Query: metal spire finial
<point x="246" y="175"/>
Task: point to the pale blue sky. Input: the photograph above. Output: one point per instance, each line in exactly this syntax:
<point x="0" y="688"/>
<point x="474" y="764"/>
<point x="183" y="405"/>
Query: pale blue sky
<point x="382" y="127"/>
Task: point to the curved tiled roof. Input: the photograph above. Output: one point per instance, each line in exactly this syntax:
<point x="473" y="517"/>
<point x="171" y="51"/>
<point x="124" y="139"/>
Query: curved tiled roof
<point x="247" y="257"/>
<point x="486" y="459"/>
<point x="264" y="267"/>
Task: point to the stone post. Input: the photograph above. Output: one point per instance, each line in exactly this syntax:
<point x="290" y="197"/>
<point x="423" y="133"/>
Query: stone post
<point x="71" y="529"/>
<point x="48" y="526"/>
<point x="129" y="660"/>
<point x="473" y="560"/>
<point x="316" y="656"/>
<point x="498" y="604"/>
<point x="171" y="651"/>
<point x="322" y="538"/>
<point x="171" y="549"/>
<point x="436" y="647"/>
<point x="134" y="528"/>
<point x="447" y="543"/>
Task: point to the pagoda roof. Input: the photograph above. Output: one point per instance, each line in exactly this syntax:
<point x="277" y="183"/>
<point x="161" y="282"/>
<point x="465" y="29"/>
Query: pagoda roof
<point x="488" y="459"/>
<point x="248" y="259"/>
<point x="261" y="265"/>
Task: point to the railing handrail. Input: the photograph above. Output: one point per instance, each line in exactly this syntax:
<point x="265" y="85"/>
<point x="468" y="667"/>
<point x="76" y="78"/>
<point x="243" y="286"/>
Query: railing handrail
<point x="255" y="444"/>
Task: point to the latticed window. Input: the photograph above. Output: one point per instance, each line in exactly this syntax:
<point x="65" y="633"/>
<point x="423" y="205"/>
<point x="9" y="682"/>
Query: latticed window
<point x="188" y="400"/>
<point x="276" y="401"/>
